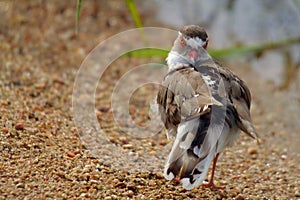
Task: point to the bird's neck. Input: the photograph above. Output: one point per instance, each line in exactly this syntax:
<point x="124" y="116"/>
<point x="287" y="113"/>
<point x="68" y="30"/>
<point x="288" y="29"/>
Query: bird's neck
<point x="174" y="60"/>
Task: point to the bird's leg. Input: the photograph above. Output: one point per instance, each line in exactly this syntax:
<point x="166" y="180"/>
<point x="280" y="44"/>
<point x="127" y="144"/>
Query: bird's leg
<point x="211" y="184"/>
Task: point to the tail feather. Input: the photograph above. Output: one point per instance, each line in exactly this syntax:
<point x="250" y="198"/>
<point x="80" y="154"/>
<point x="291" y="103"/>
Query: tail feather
<point x="193" y="150"/>
<point x="199" y="173"/>
<point x="190" y="169"/>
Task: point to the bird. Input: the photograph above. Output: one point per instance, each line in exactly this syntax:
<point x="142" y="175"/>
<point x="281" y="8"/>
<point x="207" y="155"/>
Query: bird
<point x="203" y="105"/>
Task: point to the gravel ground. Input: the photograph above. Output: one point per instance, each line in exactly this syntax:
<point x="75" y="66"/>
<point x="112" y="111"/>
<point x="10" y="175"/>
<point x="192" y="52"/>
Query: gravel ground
<point x="41" y="153"/>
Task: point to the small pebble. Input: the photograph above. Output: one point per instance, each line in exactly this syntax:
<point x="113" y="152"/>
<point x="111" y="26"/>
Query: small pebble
<point x="124" y="140"/>
<point x="59" y="81"/>
<point x="163" y="142"/>
<point x="94" y="181"/>
<point x="112" y="139"/>
<point x="252" y="151"/>
<point x="131" y="186"/>
<point x="103" y="109"/>
<point x="4" y="130"/>
<point x="144" y="175"/>
<point x="127" y="146"/>
<point x="71" y="154"/>
<point x="40" y="85"/>
<point x="5" y="103"/>
<point x="120" y="185"/>
<point x="129" y="193"/>
<point x="59" y="195"/>
<point x="283" y="157"/>
<point x="20" y="185"/>
<point x="240" y="197"/>
<point x="159" y="175"/>
<point x="19" y="126"/>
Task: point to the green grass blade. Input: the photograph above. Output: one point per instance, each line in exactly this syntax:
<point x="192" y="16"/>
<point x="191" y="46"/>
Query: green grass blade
<point x="79" y="3"/>
<point x="147" y="53"/>
<point x="219" y="53"/>
<point x="238" y="51"/>
<point x="134" y="13"/>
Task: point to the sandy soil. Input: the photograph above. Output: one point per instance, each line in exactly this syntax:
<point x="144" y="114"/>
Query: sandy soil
<point x="41" y="150"/>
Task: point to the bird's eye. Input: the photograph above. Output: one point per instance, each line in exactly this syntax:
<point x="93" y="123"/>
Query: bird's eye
<point x="182" y="41"/>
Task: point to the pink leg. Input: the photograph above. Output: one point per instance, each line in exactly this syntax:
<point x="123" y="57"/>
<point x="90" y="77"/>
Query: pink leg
<point x="211" y="184"/>
<point x="177" y="180"/>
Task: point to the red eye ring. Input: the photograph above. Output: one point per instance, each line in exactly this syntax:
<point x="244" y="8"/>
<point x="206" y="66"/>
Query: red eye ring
<point x="182" y="42"/>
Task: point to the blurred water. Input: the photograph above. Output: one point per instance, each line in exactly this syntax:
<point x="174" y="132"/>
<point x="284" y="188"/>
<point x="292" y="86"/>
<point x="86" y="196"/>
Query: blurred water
<point x="235" y="22"/>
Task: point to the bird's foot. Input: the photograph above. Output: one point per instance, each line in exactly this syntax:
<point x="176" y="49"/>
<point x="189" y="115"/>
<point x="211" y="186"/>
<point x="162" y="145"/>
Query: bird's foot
<point x="177" y="180"/>
<point x="212" y="185"/>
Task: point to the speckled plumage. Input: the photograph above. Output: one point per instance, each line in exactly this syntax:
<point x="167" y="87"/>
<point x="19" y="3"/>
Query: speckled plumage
<point x="203" y="105"/>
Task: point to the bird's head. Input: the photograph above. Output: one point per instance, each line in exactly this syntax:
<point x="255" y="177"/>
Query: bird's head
<point x="192" y="40"/>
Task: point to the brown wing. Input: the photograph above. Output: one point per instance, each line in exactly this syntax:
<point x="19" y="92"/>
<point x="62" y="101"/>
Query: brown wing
<point x="241" y="99"/>
<point x="235" y="90"/>
<point x="240" y="96"/>
<point x="183" y="95"/>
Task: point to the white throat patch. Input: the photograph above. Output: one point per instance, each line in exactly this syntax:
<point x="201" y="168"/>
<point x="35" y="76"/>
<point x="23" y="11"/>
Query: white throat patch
<point x="175" y="60"/>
